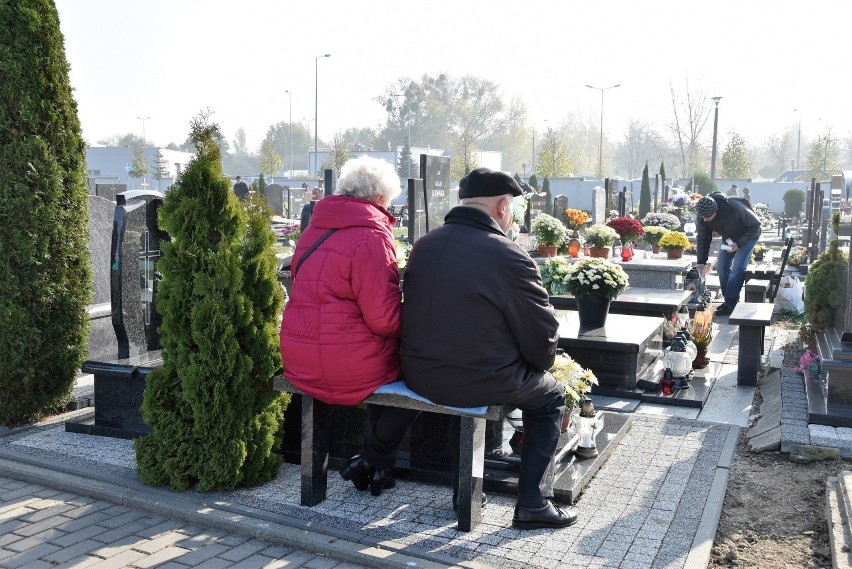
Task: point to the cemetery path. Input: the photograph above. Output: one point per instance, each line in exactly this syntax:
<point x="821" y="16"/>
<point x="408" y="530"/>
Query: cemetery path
<point x="774" y="514"/>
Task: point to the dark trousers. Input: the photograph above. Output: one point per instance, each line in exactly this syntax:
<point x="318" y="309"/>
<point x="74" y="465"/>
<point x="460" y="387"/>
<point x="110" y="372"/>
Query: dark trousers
<point x="386" y="430"/>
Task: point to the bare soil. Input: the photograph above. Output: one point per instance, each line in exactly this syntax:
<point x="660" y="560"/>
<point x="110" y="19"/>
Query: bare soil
<point x="774" y="514"/>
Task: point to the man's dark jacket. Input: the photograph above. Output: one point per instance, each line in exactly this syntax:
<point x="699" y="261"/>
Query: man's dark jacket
<point x="477" y="324"/>
<point x="241" y="189"/>
<point x="734" y="220"/>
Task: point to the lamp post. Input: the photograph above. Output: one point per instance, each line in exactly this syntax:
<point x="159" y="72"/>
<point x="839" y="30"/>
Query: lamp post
<point x="290" y="130"/>
<point x="715" y="131"/>
<point x="408" y="124"/>
<point x="600" y="143"/>
<point x="316" y="108"/>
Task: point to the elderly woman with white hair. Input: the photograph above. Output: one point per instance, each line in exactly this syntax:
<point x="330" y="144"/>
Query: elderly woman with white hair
<point x="341" y="325"/>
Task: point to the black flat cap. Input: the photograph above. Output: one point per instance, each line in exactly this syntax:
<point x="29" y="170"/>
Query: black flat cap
<point x="484" y="182"/>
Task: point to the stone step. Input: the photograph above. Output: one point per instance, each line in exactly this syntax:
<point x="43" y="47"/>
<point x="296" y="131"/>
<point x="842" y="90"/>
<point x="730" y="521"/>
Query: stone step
<point x="837" y="514"/>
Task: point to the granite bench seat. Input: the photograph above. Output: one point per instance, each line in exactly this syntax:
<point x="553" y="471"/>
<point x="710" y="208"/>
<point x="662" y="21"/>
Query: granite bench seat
<point x="756" y="290"/>
<point x="468" y="459"/>
<point x="752" y="319"/>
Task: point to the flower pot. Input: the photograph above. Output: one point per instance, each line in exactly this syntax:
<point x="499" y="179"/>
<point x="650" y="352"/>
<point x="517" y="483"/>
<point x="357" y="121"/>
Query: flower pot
<point x="701" y="360"/>
<point x="675" y="253"/>
<point x="592" y="311"/>
<point x="545" y="251"/>
<point x="655" y="249"/>
<point x="601" y="252"/>
<point x="574" y="247"/>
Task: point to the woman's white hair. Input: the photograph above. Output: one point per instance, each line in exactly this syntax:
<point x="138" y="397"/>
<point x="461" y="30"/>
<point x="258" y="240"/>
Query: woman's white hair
<point x="368" y="178"/>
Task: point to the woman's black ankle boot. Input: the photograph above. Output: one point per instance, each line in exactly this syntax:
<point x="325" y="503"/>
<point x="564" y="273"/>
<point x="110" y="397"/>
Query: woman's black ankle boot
<point x="381" y="479"/>
<point x="359" y="472"/>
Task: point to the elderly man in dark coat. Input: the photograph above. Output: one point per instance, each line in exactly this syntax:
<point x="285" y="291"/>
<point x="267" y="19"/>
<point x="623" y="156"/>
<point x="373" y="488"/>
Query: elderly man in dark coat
<point x="478" y="329"/>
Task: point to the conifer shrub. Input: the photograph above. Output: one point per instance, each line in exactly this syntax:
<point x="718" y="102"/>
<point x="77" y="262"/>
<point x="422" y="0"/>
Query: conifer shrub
<point x="214" y="416"/>
<point x="645" y="193"/>
<point x="825" y="287"/>
<point x="45" y="270"/>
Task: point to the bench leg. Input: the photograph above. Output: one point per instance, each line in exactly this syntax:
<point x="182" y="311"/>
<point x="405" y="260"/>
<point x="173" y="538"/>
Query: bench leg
<point x="469" y="463"/>
<point x="748" y="358"/>
<point x="316" y="433"/>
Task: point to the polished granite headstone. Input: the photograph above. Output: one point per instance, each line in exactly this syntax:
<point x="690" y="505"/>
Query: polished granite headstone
<point x="296" y="200"/>
<point x="102" y="340"/>
<point x="275" y="198"/>
<point x="636" y="301"/>
<point x="435" y="171"/>
<point x="135" y="250"/>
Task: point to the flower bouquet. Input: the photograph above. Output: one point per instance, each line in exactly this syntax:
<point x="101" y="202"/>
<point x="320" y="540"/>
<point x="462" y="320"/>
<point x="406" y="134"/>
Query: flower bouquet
<point x="578" y="381"/>
<point x="667" y="220"/>
<point x="553" y="275"/>
<point x="601" y="236"/>
<point x="653" y="234"/>
<point x="798" y="256"/>
<point x="674" y="240"/>
<point x="548" y="230"/>
<point x="592" y="278"/>
<point x="575" y="218"/>
<point x="809" y="361"/>
<point x="628" y="228"/>
<point x="402" y="252"/>
<point x="758" y="252"/>
<point x="680" y="200"/>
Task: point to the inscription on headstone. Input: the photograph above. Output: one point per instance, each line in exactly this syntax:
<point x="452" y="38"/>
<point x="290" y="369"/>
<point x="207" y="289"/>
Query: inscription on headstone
<point x="435" y="171"/>
<point x="136" y="242"/>
<point x="295" y="202"/>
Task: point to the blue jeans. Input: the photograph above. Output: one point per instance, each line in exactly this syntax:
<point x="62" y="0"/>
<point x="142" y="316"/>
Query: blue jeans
<point x="731" y="266"/>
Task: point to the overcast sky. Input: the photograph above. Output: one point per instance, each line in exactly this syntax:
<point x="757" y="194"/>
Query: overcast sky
<point x="169" y="59"/>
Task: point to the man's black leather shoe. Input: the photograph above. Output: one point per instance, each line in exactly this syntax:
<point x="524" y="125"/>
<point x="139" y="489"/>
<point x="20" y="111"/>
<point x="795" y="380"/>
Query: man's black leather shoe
<point x="548" y="516"/>
<point x="358" y="471"/>
<point x="723" y="310"/>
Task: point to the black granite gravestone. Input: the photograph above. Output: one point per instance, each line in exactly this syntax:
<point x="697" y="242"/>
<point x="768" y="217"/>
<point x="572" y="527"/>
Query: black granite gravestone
<point x="101" y="335"/>
<point x="329" y="181"/>
<point x="275" y="198"/>
<point x="417" y="226"/>
<point x="435" y="172"/>
<point x="135" y="250"/>
<point x="109" y="191"/>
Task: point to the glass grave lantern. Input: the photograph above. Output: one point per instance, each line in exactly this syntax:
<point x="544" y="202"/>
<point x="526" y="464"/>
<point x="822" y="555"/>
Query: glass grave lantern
<point x="678" y="360"/>
<point x="588" y="430"/>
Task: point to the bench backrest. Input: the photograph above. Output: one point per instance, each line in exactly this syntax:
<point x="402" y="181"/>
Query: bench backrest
<point x="776" y="280"/>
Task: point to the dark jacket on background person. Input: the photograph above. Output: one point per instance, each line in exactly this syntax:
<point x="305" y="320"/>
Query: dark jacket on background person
<point x="341" y="326"/>
<point x="734" y="220"/>
<point x="478" y="327"/>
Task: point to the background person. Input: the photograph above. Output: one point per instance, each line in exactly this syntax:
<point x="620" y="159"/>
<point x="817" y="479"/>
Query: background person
<point x="478" y="329"/>
<point x="341" y="326"/>
<point x="241" y="189"/>
<point x="732" y="219"/>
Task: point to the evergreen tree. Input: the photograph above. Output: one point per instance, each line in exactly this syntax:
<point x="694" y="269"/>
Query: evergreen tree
<point x="662" y="172"/>
<point x="161" y="169"/>
<point x="534" y="181"/>
<point x="518" y="179"/>
<point x="211" y="407"/>
<point x="548" y="198"/>
<point x="645" y="194"/>
<point x="261" y="185"/>
<point x="45" y="271"/>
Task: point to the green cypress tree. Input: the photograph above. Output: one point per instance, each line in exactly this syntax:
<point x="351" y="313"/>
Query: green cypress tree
<point x="645" y="194"/>
<point x="211" y="407"/>
<point x="261" y="185"/>
<point x="533" y="181"/>
<point x="548" y="198"/>
<point x="662" y="172"/>
<point x="45" y="270"/>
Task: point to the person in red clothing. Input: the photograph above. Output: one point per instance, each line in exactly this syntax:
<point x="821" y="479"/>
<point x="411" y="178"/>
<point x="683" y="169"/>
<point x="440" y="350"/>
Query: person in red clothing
<point x="341" y="325"/>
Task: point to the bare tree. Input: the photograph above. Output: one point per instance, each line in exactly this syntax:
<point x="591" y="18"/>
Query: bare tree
<point x="781" y="149"/>
<point x="691" y="111"/>
<point x="642" y="144"/>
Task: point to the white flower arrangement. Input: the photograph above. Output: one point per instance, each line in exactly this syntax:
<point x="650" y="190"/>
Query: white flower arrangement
<point x="653" y="234"/>
<point x="553" y="275"/>
<point x="601" y="235"/>
<point x="402" y="252"/>
<point x="667" y="220"/>
<point x="595" y="277"/>
<point x="578" y="381"/>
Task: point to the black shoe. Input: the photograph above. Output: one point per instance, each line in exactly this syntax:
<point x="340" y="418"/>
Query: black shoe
<point x="548" y="516"/>
<point x="380" y="480"/>
<point x="724" y="310"/>
<point x="358" y="471"/>
<point x="456" y="501"/>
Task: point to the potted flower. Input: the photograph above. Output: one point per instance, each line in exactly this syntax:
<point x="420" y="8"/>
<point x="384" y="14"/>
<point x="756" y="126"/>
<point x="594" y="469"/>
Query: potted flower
<point x="578" y="382"/>
<point x="701" y="332"/>
<point x="667" y="220"/>
<point x="600" y="238"/>
<point x="674" y="243"/>
<point x="758" y="252"/>
<point x="575" y="218"/>
<point x="629" y="229"/>
<point x="653" y="234"/>
<point x="553" y="276"/>
<point x="549" y="232"/>
<point x="594" y="282"/>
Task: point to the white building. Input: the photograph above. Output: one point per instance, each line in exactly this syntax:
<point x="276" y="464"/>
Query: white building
<point x="112" y="165"/>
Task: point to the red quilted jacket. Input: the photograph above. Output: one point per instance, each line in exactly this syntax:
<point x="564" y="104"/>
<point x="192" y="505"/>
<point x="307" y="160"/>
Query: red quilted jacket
<point x="341" y="326"/>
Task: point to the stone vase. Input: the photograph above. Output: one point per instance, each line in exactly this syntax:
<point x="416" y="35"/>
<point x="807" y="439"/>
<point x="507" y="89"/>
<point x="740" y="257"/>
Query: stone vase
<point x="592" y="311"/>
<point x="676" y="253"/>
<point x="701" y="360"/>
<point x="600" y="252"/>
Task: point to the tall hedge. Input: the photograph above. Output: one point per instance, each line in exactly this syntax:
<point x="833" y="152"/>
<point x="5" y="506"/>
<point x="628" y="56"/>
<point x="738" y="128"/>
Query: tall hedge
<point x="645" y="193"/>
<point x="45" y="270"/>
<point x="214" y="416"/>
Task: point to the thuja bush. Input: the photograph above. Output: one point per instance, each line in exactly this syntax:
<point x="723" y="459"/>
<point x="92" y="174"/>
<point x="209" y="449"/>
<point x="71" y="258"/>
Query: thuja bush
<point x="213" y="413"/>
<point x="45" y="272"/>
<point x="825" y="287"/>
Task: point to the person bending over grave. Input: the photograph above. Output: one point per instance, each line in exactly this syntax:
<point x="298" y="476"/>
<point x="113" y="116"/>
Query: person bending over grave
<point x="341" y="326"/>
<point x="733" y="219"/>
<point x="478" y="329"/>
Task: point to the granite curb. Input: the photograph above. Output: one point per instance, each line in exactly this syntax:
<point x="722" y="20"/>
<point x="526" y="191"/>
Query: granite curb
<point x="238" y="519"/>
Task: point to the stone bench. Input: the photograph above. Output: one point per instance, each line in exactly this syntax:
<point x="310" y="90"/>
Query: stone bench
<point x="752" y="319"/>
<point x="468" y="458"/>
<point x="756" y="290"/>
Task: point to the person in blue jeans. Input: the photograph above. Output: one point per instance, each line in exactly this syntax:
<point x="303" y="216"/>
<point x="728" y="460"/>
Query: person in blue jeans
<point x="734" y="220"/>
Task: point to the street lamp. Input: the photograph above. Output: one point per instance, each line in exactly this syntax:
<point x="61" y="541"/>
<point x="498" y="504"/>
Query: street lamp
<point x="408" y="124"/>
<point x="600" y="144"/>
<point x="290" y="130"/>
<point x="316" y="108"/>
<point x="715" y="131"/>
